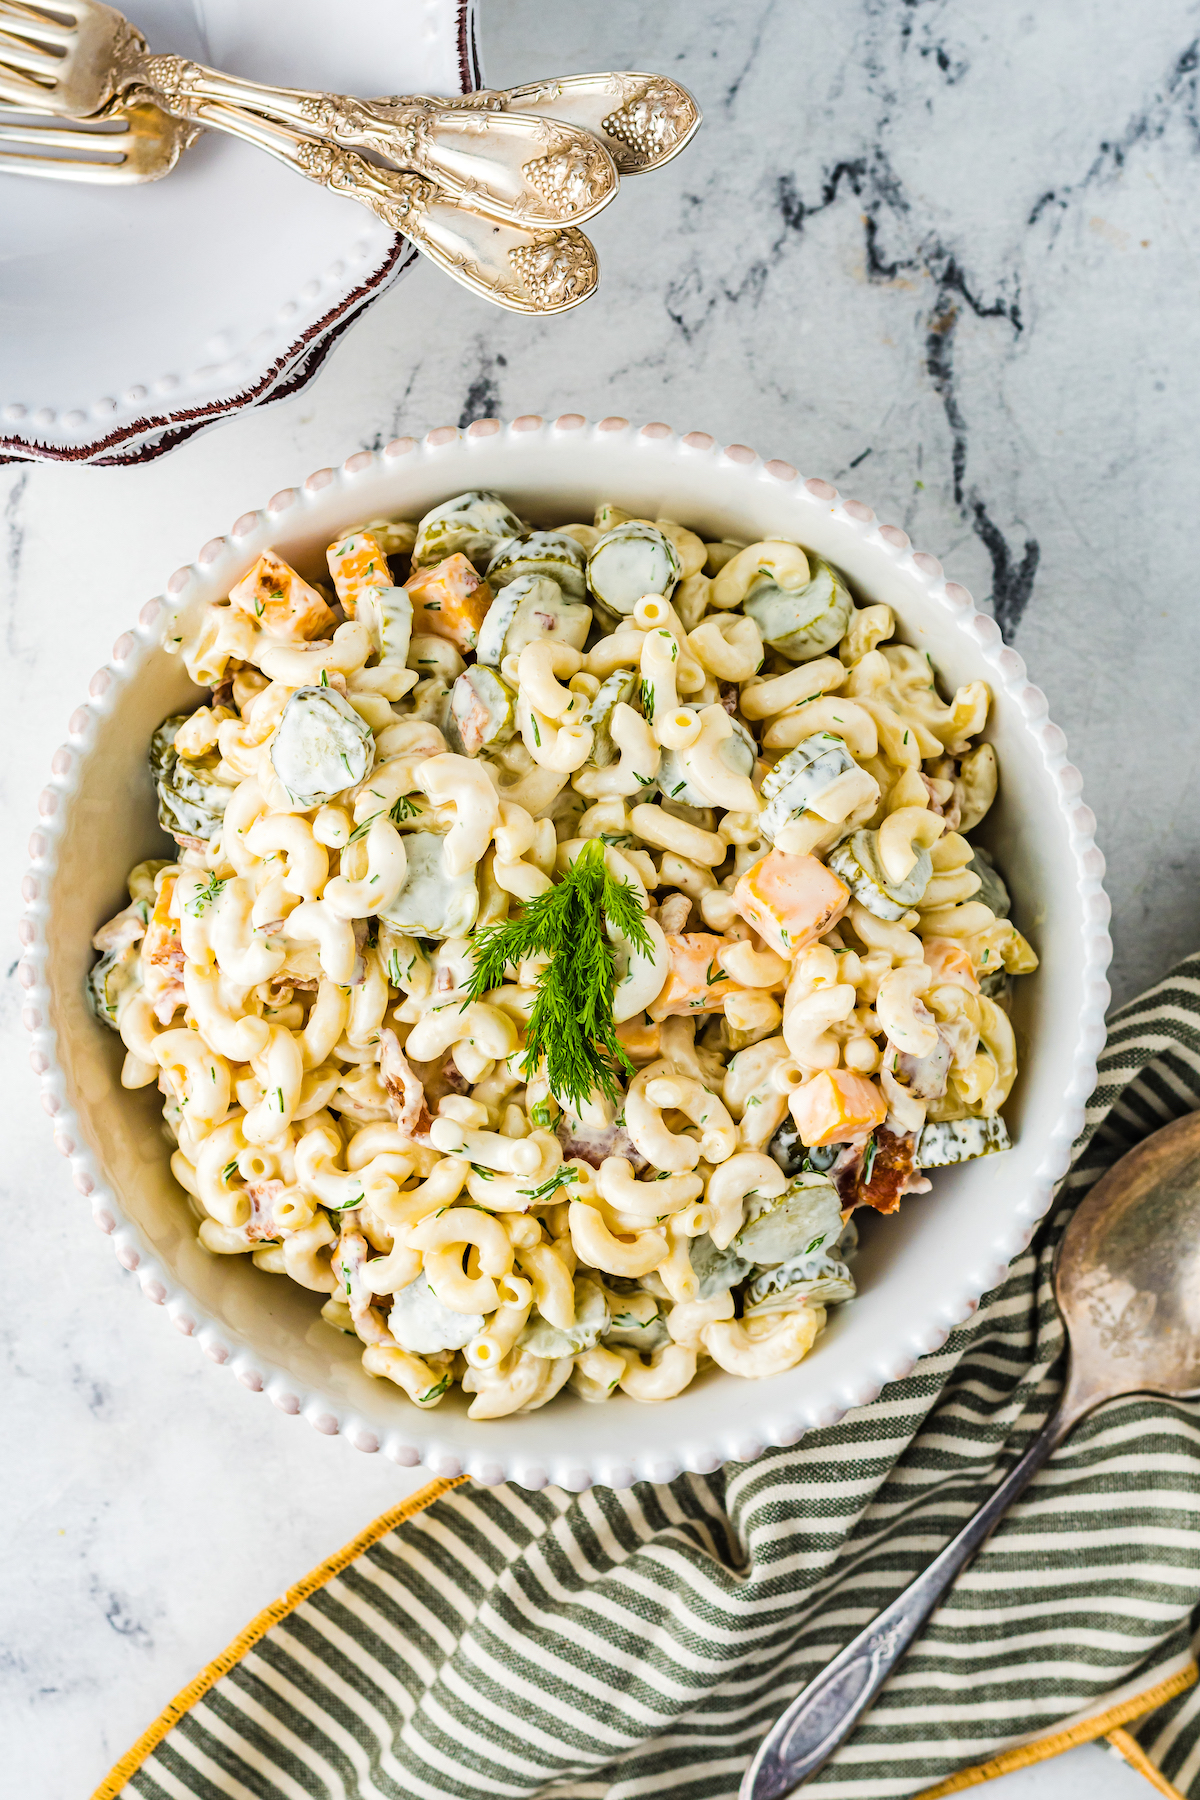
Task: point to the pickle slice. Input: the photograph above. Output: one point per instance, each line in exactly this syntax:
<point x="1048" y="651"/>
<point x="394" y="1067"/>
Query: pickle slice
<point x="432" y="904"/>
<point x="629" y="561"/>
<point x="531" y="607"/>
<point x="191" y="800"/>
<point x="470" y="524"/>
<point x="946" y="1141"/>
<point x="482" y="711"/>
<point x="321" y="746"/>
<point x="110" y="980"/>
<point x="592" y="1318"/>
<point x="992" y="890"/>
<point x="801" y="777"/>
<point x="422" y="1324"/>
<point x="716" y="1270"/>
<point x="821" y="1277"/>
<point x="806" y="623"/>
<point x="636" y="1318"/>
<point x="617" y="689"/>
<point x="858" y="865"/>
<point x="805" y="1218"/>
<point x="550" y="553"/>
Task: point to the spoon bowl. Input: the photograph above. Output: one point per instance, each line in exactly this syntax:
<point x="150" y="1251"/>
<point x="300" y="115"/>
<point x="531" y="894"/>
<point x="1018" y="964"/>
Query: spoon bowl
<point x="1127" y="1282"/>
<point x="1127" y="1279"/>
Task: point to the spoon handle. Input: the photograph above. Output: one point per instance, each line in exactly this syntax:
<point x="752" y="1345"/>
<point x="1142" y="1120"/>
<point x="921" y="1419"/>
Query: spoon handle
<point x="530" y="171"/>
<point x="826" y="1711"/>
<point x="522" y="270"/>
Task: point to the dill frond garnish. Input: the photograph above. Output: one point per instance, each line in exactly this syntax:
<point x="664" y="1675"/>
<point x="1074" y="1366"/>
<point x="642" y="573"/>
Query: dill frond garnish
<point x="571" y="1024"/>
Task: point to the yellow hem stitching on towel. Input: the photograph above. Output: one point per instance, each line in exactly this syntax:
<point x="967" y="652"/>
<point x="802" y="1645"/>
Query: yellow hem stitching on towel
<point x="1086" y="1732"/>
<point x="258" y="1628"/>
<point x="1136" y="1757"/>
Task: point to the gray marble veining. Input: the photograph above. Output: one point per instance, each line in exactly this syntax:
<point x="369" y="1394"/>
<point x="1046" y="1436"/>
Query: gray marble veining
<point x="945" y="255"/>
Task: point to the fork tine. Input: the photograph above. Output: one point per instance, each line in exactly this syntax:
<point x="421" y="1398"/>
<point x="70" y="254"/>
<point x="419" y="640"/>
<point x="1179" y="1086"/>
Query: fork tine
<point x="42" y="31"/>
<point x="20" y="55"/>
<point x="21" y="91"/>
<point x="57" y="139"/>
<point x="73" y="9"/>
<point x="58" y="168"/>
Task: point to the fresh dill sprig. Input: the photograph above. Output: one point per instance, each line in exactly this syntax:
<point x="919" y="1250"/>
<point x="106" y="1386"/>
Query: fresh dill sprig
<point x="571" y="1024"/>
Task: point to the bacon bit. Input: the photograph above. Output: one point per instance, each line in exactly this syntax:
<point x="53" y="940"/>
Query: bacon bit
<point x="452" y="1075"/>
<point x="348" y="1264"/>
<point x="593" y="1143"/>
<point x="893" y="1172"/>
<point x="925" y="1077"/>
<point x="165" y="993"/>
<point x="729" y="692"/>
<point x="161" y="945"/>
<point x="931" y="788"/>
<point x="119" y="933"/>
<point x="674" y="913"/>
<point x="362" y="931"/>
<point x="845" y="1171"/>
<point x="262" y="1196"/>
<point x="404" y="1089"/>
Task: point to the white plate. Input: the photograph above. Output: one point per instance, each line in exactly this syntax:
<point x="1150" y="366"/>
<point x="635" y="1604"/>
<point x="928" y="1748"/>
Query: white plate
<point x="131" y="318"/>
<point x="919" y="1273"/>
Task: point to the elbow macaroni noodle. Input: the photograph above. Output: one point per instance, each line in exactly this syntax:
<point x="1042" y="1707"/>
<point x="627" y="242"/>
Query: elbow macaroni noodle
<point x="821" y="1013"/>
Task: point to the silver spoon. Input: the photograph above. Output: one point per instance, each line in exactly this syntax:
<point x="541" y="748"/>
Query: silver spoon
<point x="1127" y="1281"/>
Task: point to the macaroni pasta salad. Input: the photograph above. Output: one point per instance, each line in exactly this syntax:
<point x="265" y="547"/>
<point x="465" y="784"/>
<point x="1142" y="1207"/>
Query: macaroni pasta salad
<point x="569" y="930"/>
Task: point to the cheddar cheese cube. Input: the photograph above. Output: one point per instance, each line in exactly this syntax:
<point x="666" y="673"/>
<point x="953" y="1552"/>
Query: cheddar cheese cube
<point x="790" y="901"/>
<point x="642" y="1043"/>
<point x="359" y="565"/>
<point x="450" y="600"/>
<point x="281" y="603"/>
<point x="950" y="963"/>
<point x="694" y="981"/>
<point x="836" y="1105"/>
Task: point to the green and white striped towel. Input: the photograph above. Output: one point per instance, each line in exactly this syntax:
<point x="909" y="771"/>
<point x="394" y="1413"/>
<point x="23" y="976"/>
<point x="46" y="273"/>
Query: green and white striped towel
<point x="611" y="1645"/>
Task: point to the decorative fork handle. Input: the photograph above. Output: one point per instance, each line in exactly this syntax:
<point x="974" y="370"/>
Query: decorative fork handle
<point x="397" y="130"/>
<point x="824" y="1714"/>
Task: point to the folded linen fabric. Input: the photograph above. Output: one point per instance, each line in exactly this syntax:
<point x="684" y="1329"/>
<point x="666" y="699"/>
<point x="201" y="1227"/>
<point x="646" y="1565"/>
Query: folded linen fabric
<point x="612" y="1644"/>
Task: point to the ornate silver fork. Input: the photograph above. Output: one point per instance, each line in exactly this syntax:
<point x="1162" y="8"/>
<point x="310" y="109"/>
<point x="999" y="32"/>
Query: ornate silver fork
<point x="120" y="147"/>
<point x="528" y="169"/>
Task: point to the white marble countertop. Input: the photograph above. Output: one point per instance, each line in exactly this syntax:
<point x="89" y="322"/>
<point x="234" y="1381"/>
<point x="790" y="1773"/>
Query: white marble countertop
<point x="944" y="255"/>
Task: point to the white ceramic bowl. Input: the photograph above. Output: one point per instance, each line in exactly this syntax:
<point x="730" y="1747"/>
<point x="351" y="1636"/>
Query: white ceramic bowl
<point x="919" y="1273"/>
